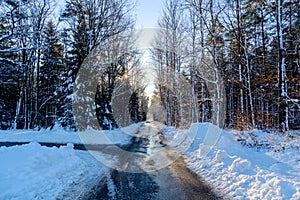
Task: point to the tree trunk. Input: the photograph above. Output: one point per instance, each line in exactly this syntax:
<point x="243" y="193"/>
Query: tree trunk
<point x="283" y="107"/>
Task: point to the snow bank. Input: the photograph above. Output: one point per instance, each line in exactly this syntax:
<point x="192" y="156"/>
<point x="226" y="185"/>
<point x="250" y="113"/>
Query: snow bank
<point x="58" y="136"/>
<point x="32" y="171"/>
<point x="117" y="136"/>
<point x="240" y="171"/>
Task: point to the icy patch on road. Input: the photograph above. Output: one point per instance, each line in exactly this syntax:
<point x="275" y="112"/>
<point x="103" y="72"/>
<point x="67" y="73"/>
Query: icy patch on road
<point x="110" y="184"/>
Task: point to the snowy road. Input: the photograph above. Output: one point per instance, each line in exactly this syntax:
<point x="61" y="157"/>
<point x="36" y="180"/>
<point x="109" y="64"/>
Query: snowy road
<point x="48" y="165"/>
<point x="151" y="171"/>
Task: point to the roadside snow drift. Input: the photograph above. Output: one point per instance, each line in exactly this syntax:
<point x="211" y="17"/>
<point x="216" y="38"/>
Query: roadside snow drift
<point x="32" y="171"/>
<point x="238" y="170"/>
<point x="59" y="135"/>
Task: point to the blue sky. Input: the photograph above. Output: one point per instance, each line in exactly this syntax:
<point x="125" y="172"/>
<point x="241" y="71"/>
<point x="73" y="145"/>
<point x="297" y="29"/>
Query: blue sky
<point x="148" y="12"/>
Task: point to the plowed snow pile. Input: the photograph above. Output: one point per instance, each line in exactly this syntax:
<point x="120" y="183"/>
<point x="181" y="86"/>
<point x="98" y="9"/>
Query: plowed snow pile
<point x="253" y="165"/>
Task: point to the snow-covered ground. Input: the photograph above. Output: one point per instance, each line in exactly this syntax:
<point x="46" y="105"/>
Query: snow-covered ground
<point x="32" y="171"/>
<point x="59" y="135"/>
<point x="244" y="165"/>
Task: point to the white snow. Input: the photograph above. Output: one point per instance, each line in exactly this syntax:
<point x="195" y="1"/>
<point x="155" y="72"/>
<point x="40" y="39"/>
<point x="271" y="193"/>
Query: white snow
<point x="58" y="135"/>
<point x="32" y="171"/>
<point x="260" y="166"/>
<point x="244" y="165"/>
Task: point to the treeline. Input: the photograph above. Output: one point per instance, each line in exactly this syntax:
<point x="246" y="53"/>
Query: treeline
<point x="233" y="63"/>
<point x="240" y="59"/>
<point x="41" y="51"/>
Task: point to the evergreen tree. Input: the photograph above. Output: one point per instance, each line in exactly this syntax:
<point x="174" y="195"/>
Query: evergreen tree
<point x="134" y="107"/>
<point x="50" y="80"/>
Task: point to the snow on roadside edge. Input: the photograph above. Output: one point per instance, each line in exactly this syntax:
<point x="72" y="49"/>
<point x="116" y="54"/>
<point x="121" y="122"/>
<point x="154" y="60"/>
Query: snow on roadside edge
<point x="32" y="171"/>
<point x="240" y="171"/>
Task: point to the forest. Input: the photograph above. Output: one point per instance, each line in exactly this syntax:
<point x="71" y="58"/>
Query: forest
<point x="233" y="63"/>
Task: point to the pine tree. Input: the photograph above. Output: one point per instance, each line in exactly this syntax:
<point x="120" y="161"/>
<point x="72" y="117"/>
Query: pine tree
<point x="50" y="81"/>
<point x="134" y="107"/>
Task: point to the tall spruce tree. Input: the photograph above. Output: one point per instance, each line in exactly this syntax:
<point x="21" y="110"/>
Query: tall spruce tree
<point x="50" y="76"/>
